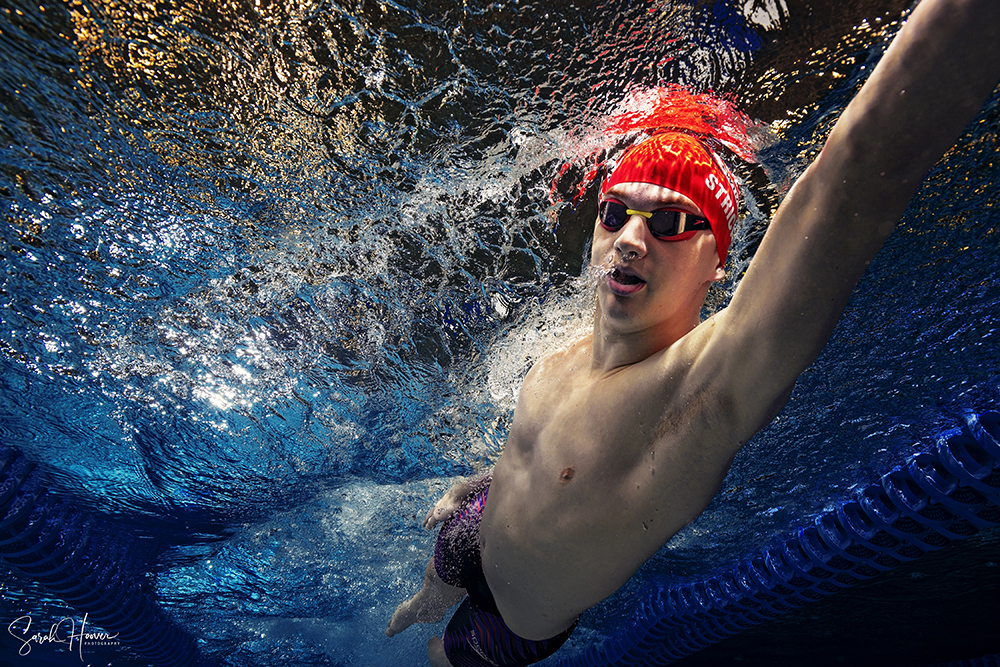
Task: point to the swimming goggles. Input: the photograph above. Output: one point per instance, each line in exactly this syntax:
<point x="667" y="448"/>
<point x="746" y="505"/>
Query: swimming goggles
<point x="666" y="224"/>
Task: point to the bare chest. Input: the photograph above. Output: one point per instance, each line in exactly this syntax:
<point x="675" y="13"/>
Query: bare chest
<point x="571" y="512"/>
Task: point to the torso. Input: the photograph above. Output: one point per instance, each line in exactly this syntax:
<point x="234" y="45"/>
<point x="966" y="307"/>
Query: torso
<point x="599" y="471"/>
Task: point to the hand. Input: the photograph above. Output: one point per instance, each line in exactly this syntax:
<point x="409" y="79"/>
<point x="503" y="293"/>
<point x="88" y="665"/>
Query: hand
<point x="447" y="505"/>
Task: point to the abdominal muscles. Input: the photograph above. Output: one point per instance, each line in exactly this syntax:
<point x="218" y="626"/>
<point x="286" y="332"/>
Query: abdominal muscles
<point x="553" y="550"/>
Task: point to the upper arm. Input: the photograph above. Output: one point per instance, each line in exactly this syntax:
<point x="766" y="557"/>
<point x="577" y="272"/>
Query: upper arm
<point x="928" y="86"/>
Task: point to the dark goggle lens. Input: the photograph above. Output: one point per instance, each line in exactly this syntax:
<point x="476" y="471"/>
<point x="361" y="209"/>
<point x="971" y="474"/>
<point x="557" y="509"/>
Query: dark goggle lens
<point x="662" y="224"/>
<point x="612" y="215"/>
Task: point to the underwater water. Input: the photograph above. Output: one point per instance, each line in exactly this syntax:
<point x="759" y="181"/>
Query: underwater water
<point x="273" y="272"/>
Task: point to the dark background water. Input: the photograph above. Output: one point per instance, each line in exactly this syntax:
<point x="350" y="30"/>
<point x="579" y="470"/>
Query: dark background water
<point x="268" y="268"/>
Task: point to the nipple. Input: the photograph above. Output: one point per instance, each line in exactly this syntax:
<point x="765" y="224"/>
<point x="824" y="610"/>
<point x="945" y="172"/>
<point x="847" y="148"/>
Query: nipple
<point x="566" y="475"/>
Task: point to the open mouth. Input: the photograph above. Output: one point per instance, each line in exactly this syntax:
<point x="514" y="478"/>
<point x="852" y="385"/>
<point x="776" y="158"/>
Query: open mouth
<point x="625" y="278"/>
<point x="624" y="283"/>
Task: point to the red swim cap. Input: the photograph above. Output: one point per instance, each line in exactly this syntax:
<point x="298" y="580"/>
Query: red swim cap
<point x="681" y="163"/>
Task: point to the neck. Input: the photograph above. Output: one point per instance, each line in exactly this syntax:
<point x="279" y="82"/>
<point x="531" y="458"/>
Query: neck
<point x="615" y="346"/>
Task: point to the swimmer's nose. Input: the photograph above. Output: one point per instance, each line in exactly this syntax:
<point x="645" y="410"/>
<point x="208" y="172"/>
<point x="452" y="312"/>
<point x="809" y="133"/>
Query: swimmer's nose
<point x="632" y="239"/>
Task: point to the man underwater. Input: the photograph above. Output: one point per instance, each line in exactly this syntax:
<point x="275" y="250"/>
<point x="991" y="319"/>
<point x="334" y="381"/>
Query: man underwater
<point x="623" y="438"/>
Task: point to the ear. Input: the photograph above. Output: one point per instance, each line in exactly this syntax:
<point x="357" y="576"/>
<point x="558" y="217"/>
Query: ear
<point x="720" y="272"/>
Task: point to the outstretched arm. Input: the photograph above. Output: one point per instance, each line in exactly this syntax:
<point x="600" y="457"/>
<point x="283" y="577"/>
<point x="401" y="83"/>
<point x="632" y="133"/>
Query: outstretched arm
<point x="929" y="85"/>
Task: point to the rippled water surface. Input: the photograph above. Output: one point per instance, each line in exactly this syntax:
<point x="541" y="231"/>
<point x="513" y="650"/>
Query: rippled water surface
<point x="272" y="273"/>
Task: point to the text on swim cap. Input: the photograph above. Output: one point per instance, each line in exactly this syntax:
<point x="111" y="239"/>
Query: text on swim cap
<point x="728" y="206"/>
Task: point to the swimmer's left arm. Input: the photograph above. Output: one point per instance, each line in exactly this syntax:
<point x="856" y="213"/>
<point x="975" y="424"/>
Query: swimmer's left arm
<point x="929" y="85"/>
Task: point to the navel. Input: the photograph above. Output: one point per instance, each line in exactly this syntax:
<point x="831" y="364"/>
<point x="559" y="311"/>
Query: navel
<point x="567" y="474"/>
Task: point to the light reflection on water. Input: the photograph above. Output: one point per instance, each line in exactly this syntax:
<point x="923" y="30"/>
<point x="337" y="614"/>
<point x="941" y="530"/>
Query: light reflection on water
<point x="268" y="255"/>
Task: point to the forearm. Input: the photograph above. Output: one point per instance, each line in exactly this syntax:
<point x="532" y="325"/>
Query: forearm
<point x="926" y="89"/>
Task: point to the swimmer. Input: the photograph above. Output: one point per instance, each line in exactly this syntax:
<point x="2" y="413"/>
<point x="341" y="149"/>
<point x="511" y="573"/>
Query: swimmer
<point x="623" y="438"/>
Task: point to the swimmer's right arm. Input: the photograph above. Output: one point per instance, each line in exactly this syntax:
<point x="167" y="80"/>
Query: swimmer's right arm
<point x="928" y="86"/>
<point x="452" y="500"/>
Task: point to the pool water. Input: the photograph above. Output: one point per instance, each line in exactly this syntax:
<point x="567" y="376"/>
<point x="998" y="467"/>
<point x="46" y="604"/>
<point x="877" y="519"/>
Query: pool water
<point x="272" y="273"/>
